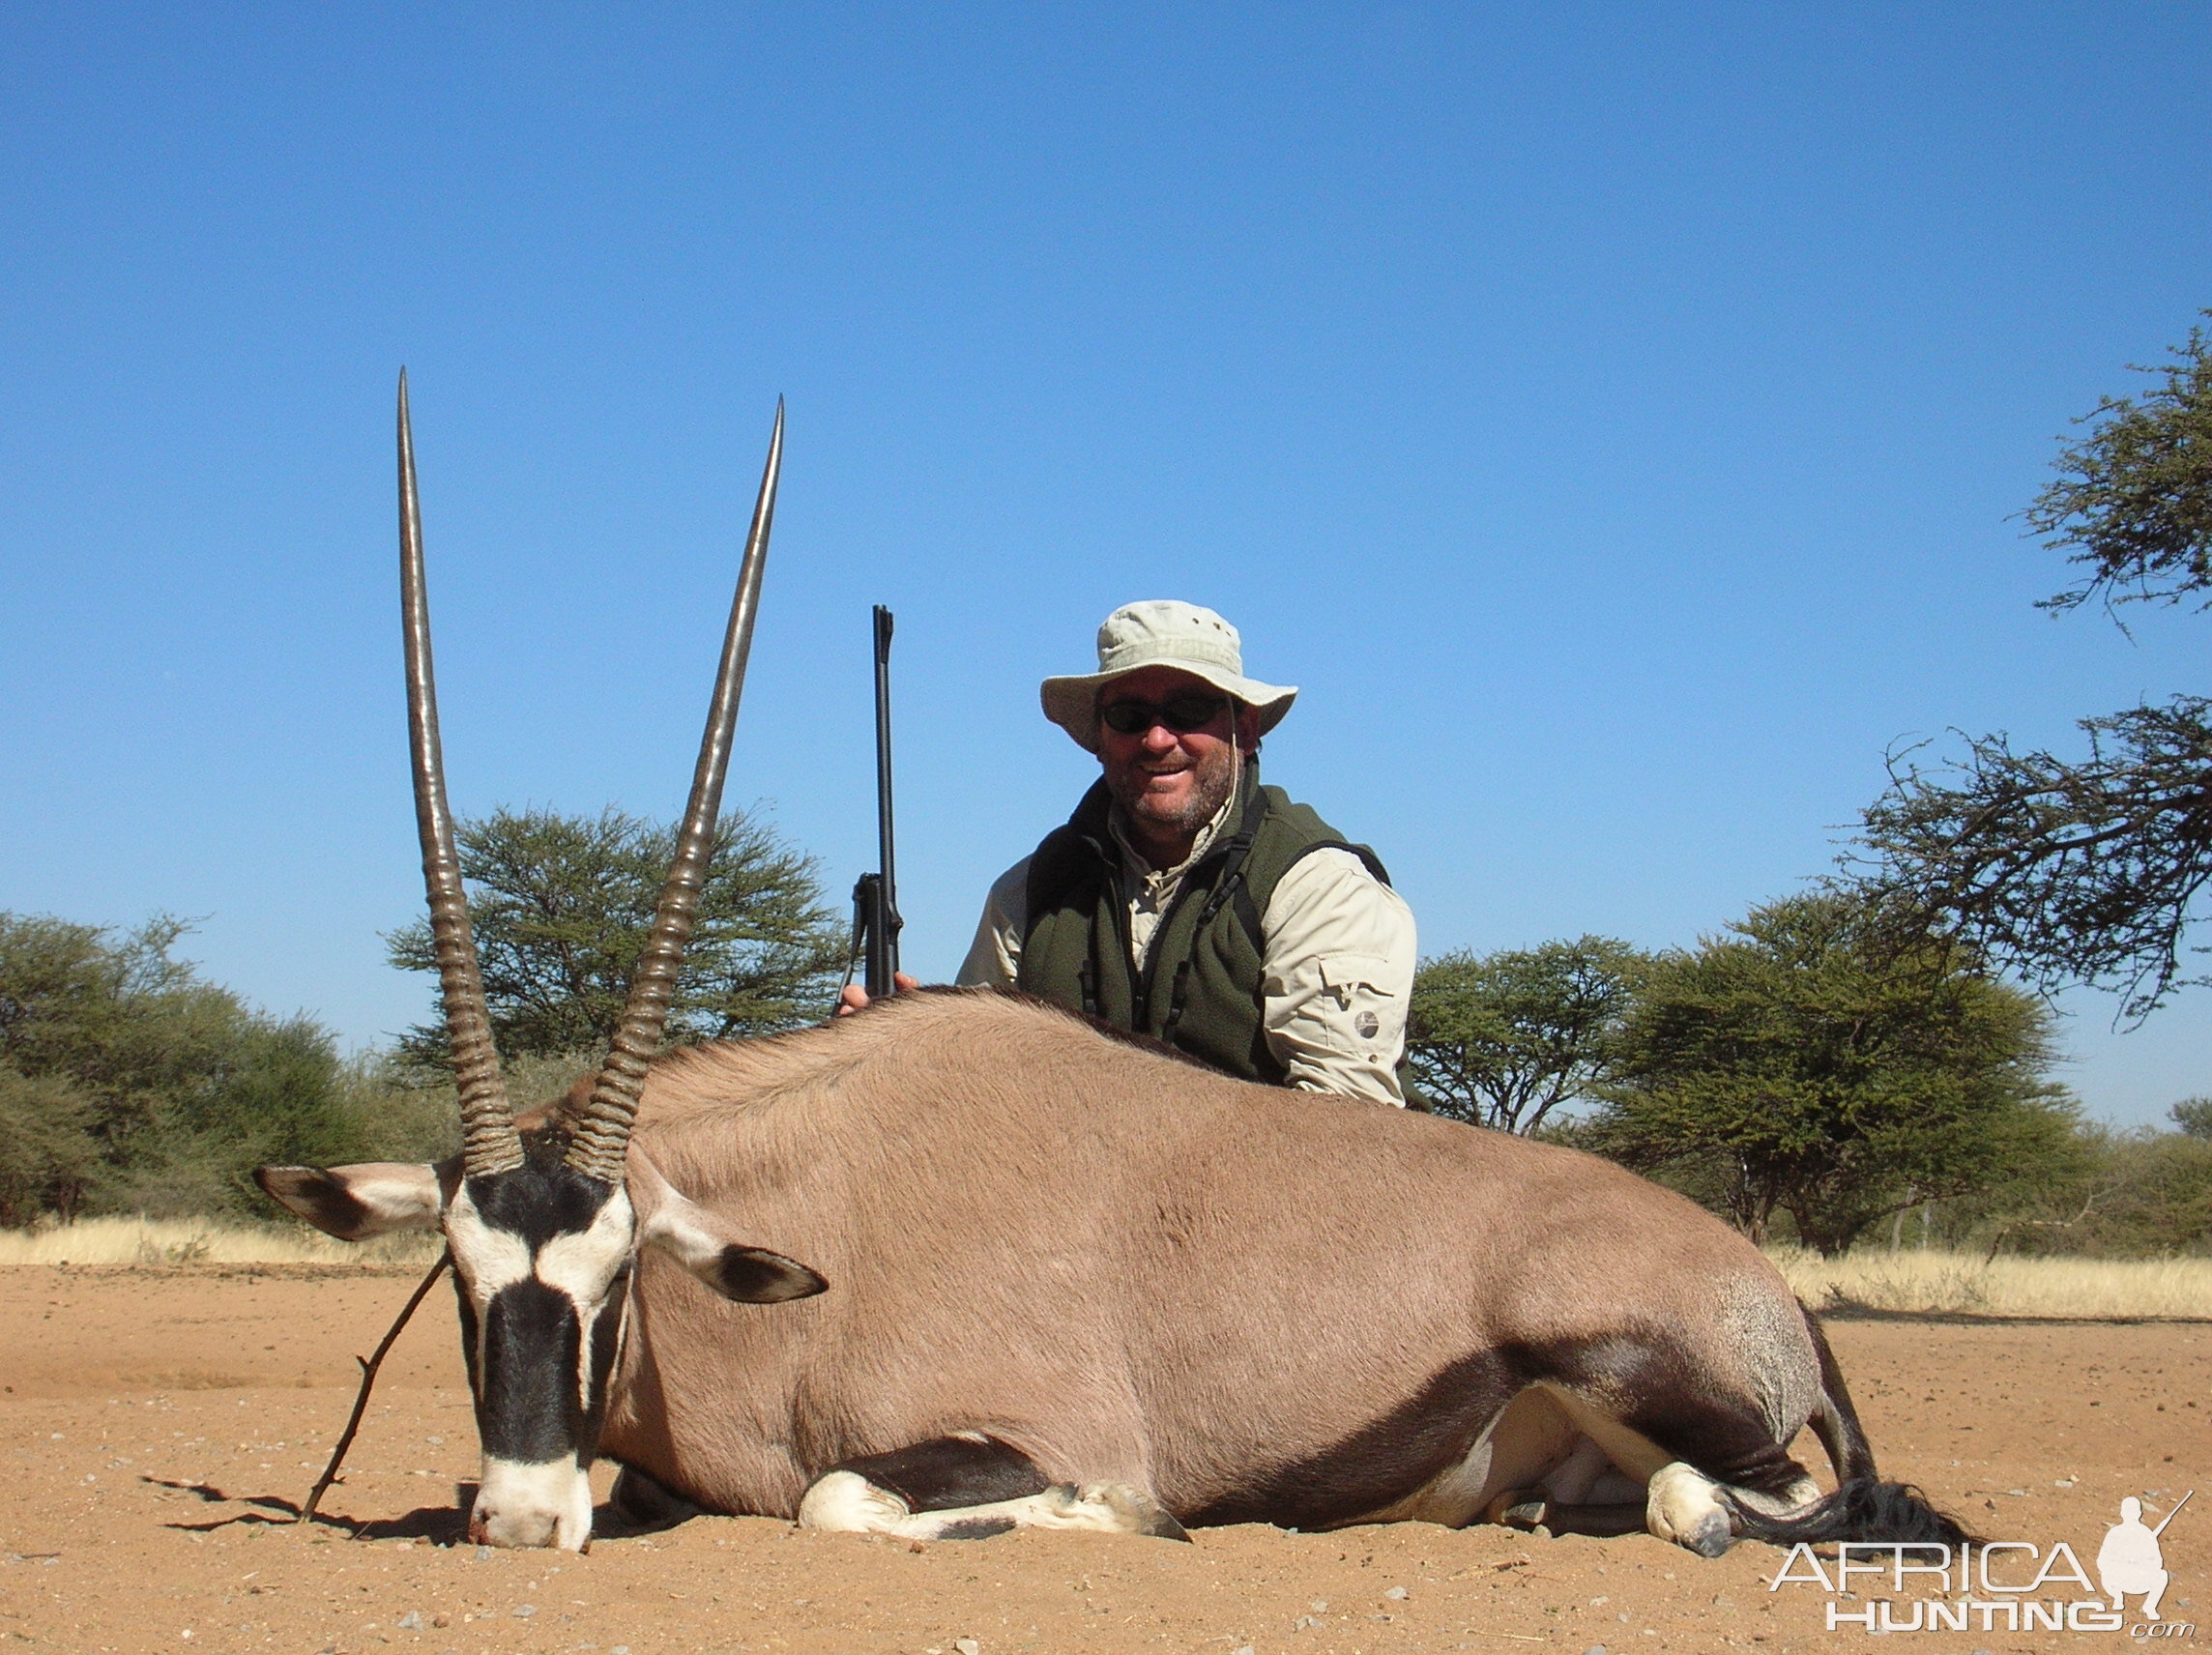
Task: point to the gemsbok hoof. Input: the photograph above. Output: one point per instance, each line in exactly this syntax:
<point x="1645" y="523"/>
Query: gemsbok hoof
<point x="1684" y="1506"/>
<point x="1136" y="1511"/>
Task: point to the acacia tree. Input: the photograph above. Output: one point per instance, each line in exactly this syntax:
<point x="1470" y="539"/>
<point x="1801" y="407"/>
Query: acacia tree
<point x="562" y="907"/>
<point x="1812" y="1061"/>
<point x="1504" y="1039"/>
<point x="2093" y="869"/>
<point x="127" y="1082"/>
<point x="48" y="1157"/>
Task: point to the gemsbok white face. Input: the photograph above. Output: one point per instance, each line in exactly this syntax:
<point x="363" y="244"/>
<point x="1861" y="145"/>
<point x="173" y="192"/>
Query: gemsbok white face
<point x="543" y="1255"/>
<point x="543" y="1233"/>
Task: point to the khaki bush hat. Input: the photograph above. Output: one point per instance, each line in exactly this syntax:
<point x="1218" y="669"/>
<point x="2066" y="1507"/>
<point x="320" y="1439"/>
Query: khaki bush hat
<point x="1161" y="633"/>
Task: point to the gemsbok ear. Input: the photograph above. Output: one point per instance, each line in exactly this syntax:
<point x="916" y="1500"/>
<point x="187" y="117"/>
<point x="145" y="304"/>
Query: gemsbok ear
<point x="374" y="1198"/>
<point x="707" y="1246"/>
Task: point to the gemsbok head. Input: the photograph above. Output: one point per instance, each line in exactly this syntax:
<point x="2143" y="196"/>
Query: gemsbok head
<point x="543" y="1230"/>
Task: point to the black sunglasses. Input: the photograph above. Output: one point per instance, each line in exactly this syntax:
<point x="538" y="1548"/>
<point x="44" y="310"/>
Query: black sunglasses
<point x="1183" y="713"/>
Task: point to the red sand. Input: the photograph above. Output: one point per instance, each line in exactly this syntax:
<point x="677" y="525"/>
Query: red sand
<point x="161" y="1423"/>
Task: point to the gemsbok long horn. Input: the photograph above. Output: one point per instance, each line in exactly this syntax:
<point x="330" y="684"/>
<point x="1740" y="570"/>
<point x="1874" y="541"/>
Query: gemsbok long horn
<point x="489" y="1143"/>
<point x="603" y="1136"/>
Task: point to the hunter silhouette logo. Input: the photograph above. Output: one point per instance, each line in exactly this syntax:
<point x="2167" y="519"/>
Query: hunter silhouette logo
<point x="1993" y="1585"/>
<point x="2130" y="1559"/>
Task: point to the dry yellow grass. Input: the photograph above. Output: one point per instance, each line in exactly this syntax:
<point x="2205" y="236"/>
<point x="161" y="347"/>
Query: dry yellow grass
<point x="192" y="1241"/>
<point x="1911" y="1280"/>
<point x="1905" y="1280"/>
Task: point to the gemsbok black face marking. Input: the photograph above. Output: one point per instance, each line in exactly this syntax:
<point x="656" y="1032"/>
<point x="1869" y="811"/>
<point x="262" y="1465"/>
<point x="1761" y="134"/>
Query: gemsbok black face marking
<point x="541" y="1250"/>
<point x="543" y="1234"/>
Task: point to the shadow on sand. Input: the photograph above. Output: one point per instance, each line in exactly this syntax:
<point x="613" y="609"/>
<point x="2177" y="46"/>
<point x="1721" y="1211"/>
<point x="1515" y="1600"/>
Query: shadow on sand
<point x="439" y="1525"/>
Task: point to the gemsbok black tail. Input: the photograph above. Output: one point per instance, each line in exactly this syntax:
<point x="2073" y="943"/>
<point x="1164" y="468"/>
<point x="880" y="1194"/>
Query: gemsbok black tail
<point x="1863" y="1508"/>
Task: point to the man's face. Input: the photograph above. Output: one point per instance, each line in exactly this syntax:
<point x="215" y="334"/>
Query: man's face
<point x="1169" y="782"/>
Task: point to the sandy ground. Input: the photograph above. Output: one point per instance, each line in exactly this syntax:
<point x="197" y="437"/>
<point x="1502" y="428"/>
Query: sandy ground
<point x="162" y="1427"/>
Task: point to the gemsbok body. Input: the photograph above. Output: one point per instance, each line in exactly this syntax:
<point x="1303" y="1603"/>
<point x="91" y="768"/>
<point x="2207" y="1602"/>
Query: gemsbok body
<point x="966" y="1262"/>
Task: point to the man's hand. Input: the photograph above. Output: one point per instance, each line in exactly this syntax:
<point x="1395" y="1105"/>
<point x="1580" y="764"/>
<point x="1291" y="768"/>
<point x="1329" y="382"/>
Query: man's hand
<point x="853" y="997"/>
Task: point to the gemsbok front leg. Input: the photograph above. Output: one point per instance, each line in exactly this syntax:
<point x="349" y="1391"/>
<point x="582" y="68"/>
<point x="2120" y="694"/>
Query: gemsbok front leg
<point x="970" y="1486"/>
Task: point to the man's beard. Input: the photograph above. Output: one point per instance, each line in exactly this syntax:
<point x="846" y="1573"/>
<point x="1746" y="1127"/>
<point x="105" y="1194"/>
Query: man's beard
<point x="1215" y="778"/>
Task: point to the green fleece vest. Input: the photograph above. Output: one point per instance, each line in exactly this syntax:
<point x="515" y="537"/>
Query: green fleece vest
<point x="1200" y="990"/>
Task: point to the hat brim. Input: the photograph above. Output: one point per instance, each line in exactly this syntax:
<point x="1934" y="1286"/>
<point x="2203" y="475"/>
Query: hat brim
<point x="1072" y="703"/>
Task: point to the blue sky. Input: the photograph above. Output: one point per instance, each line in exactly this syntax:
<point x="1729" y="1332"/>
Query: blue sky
<point x="1609" y="415"/>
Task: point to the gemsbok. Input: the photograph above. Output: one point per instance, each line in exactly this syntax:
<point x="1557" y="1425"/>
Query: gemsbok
<point x="966" y="1262"/>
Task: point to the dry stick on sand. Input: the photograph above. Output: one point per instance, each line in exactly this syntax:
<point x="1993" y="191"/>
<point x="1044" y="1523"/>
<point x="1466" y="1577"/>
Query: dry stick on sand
<point x="368" y="1367"/>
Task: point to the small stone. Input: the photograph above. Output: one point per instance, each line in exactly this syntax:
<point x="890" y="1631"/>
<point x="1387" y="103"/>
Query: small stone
<point x="618" y="1650"/>
<point x="967" y="1647"/>
<point x="1595" y="1649"/>
<point x="1241" y="1649"/>
<point x="523" y="1611"/>
<point x="1397" y="1594"/>
<point x="411" y="1621"/>
<point x="441" y="1620"/>
<point x="1320" y="1605"/>
<point x="483" y="1553"/>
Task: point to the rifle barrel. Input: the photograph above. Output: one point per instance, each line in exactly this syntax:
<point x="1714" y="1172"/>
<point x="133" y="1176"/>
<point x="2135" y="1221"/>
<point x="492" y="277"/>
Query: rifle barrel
<point x="2171" y="1514"/>
<point x="883" y="922"/>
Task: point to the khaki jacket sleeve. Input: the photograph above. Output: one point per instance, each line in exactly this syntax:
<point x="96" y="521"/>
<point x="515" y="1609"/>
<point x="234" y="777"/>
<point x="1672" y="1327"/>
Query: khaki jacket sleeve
<point x="995" y="957"/>
<point x="1339" y="951"/>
